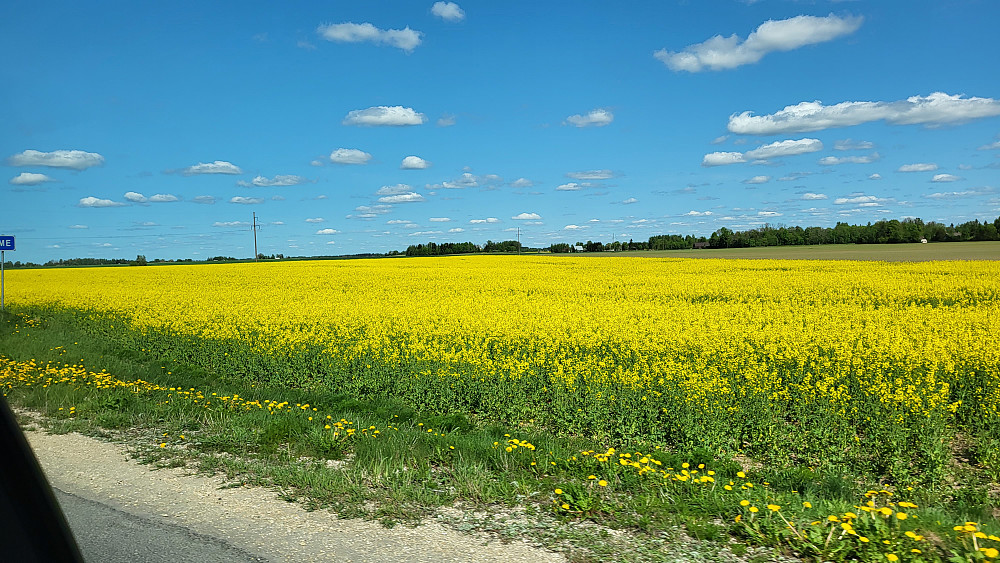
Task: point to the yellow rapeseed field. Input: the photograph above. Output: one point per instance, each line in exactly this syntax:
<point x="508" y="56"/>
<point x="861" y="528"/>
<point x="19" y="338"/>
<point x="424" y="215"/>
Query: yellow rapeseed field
<point x="769" y="357"/>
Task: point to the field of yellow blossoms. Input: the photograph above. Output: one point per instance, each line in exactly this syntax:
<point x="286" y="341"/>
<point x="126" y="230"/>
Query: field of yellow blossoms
<point x="874" y="365"/>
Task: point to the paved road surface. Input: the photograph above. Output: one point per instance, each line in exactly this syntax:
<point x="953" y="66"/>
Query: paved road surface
<point x="108" y="535"/>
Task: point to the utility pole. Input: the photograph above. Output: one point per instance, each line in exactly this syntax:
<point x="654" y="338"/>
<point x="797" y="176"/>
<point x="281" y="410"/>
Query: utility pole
<point x="254" y="236"/>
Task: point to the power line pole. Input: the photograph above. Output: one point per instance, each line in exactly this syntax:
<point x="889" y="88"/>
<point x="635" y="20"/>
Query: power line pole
<point x="254" y="236"/>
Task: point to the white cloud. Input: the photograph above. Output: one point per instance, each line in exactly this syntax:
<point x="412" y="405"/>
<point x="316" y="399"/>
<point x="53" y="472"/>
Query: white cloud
<point x="784" y="148"/>
<point x="327" y="232"/>
<point x="394" y="189"/>
<point x="768" y="214"/>
<point x="350" y="156"/>
<point x="574" y="227"/>
<point x="163" y="198"/>
<point x="398" y="222"/>
<point x="446" y="120"/>
<point x="936" y="109"/>
<point x="466" y="180"/>
<point x="526" y="217"/>
<point x="378" y="116"/>
<point x="205" y="199"/>
<point x="875" y="176"/>
<point x="414" y="163"/>
<point x="945" y="178"/>
<point x="277" y="198"/>
<point x="596" y="118"/>
<point x="721" y="53"/>
<point x="75" y="160"/>
<point x="402" y="198"/>
<point x="757" y="180"/>
<point x="834" y="160"/>
<point x="217" y="167"/>
<point x="315" y="220"/>
<point x="424" y="233"/>
<point x="918" y="167"/>
<point x="228" y="224"/>
<point x="568" y="187"/>
<point x="522" y="183"/>
<point x="778" y="149"/>
<point x="719" y="140"/>
<point x="995" y="145"/>
<point x="809" y="196"/>
<point x="722" y="158"/>
<point x="96" y="202"/>
<point x="865" y="200"/>
<point x="486" y="220"/>
<point x="456" y="230"/>
<point x="279" y="180"/>
<point x="439" y="219"/>
<point x="30" y="179"/>
<point x="852" y="145"/>
<point x="373" y="210"/>
<point x="246" y="200"/>
<point x="694" y="213"/>
<point x="79" y="227"/>
<point x="405" y="39"/>
<point x="591" y="175"/>
<point x="962" y="194"/>
<point x="630" y="201"/>
<point x="135" y="197"/>
<point x="448" y="11"/>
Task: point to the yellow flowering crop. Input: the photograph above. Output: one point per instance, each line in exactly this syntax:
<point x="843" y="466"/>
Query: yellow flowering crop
<point x="699" y="352"/>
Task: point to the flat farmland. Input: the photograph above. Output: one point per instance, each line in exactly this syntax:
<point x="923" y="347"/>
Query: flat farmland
<point x="871" y="370"/>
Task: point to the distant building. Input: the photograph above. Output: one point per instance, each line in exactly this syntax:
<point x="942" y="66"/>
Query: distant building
<point x="701" y="245"/>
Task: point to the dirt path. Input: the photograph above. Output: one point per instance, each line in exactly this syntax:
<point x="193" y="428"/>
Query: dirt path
<point x="252" y="519"/>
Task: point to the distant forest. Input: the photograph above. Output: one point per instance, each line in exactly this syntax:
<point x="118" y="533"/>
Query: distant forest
<point x="882" y="232"/>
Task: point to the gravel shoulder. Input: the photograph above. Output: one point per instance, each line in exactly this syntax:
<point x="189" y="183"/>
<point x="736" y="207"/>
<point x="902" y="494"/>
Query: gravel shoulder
<point x="252" y="520"/>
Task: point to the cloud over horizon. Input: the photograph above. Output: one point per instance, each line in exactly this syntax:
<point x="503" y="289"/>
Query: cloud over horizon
<point x="933" y="110"/>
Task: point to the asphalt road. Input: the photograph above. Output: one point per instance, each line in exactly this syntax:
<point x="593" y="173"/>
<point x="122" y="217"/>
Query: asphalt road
<point x="108" y="535"/>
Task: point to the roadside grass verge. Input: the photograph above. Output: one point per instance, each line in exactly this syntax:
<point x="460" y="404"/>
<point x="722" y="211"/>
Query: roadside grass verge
<point x="382" y="459"/>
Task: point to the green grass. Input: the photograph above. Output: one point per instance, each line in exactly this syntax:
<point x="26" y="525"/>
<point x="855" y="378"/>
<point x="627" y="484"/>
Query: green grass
<point x="422" y="465"/>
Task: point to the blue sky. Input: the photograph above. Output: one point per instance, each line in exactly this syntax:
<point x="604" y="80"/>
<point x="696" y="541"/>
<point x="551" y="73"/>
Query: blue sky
<point x="347" y="127"/>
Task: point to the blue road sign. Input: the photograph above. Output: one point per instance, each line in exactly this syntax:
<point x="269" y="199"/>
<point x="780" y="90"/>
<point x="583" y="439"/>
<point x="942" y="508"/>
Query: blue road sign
<point x="7" y="242"/>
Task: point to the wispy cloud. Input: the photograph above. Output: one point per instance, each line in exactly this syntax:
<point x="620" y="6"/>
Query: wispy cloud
<point x="72" y="159"/>
<point x="97" y="202"/>
<point x="246" y="200"/>
<point x="595" y="118"/>
<point x="933" y="110"/>
<point x="405" y="39"/>
<point x="217" y="167"/>
<point x="918" y="167"/>
<point x="30" y="179"/>
<point x="384" y="116"/>
<point x="279" y="180"/>
<point x="723" y="53"/>
<point x="349" y="156"/>
<point x="834" y="160"/>
<point x="777" y="149"/>
<point x="591" y="175"/>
